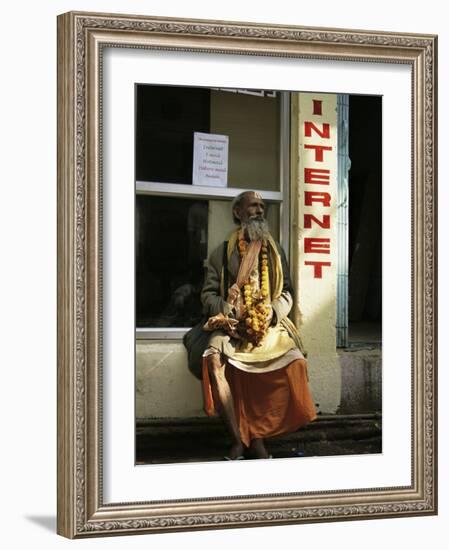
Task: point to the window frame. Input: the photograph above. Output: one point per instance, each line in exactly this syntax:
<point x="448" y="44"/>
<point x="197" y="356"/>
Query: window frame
<point x="178" y="190"/>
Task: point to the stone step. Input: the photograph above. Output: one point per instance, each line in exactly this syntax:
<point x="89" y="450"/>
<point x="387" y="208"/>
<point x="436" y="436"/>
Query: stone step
<point x="204" y="439"/>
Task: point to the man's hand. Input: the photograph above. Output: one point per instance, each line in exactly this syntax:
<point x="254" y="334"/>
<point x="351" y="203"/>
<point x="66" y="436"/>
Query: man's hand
<point x="233" y="294"/>
<point x="222" y="322"/>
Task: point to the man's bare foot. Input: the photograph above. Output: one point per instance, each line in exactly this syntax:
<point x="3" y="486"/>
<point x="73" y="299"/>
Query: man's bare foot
<point x="235" y="452"/>
<point x="257" y="449"/>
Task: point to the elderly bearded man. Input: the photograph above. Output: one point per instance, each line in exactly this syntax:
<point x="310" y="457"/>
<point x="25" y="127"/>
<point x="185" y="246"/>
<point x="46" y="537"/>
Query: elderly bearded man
<point x="254" y="374"/>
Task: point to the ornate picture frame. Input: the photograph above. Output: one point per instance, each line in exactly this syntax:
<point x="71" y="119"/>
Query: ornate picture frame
<point x="82" y="39"/>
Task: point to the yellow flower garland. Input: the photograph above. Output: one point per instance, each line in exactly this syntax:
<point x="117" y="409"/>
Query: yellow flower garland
<point x="256" y="299"/>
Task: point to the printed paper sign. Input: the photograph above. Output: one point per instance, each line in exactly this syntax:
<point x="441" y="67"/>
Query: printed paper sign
<point x="210" y="159"/>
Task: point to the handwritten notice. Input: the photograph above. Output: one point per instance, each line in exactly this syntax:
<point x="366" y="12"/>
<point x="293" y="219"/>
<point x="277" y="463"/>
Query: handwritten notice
<point x="210" y="159"/>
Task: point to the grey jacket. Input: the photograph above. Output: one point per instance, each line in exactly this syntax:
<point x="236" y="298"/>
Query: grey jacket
<point x="214" y="303"/>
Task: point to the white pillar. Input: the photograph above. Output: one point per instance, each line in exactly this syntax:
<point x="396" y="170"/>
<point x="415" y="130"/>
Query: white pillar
<point x="315" y="232"/>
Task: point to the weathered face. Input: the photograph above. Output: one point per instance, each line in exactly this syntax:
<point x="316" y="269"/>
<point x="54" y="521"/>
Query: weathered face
<point x="252" y="207"/>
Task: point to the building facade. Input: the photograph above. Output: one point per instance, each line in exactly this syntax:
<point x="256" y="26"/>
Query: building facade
<point x="291" y="147"/>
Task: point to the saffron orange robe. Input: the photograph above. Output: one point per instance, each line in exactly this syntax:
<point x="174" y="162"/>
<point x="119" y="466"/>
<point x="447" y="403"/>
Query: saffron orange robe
<point x="269" y="384"/>
<point x="266" y="404"/>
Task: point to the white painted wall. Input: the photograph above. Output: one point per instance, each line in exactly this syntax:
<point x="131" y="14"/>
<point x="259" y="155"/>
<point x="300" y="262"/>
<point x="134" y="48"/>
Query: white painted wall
<point x="28" y="276"/>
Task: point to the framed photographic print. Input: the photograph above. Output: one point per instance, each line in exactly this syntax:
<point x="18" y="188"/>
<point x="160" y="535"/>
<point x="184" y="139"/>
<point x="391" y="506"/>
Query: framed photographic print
<point x="247" y="274"/>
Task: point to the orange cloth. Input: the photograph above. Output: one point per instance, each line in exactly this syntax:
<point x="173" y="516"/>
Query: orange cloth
<point x="266" y="404"/>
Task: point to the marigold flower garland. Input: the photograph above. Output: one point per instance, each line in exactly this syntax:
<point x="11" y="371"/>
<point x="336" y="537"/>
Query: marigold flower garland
<point x="256" y="298"/>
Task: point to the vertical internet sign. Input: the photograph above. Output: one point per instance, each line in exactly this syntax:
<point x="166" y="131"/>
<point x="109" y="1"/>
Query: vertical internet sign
<point x="210" y="159"/>
<point x="318" y="186"/>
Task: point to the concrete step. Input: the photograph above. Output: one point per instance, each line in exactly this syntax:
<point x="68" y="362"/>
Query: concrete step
<point x="204" y="439"/>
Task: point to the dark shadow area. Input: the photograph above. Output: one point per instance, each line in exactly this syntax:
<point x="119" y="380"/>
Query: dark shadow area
<point x="365" y="215"/>
<point x="46" y="522"/>
<point x="171" y="247"/>
<point x="166" y="119"/>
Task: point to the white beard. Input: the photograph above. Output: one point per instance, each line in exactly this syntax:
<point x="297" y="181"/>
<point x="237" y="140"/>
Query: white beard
<point x="256" y="229"/>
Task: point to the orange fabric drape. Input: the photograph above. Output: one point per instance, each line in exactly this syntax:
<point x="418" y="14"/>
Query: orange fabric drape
<point x="266" y="404"/>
